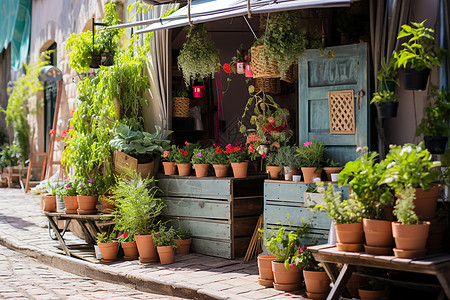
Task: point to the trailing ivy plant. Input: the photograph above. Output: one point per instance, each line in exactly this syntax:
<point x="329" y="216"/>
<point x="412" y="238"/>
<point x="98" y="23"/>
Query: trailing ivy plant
<point x="199" y="57"/>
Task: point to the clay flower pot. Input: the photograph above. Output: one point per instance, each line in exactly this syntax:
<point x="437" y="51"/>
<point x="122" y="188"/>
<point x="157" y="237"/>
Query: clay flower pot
<point x="184" y="169"/>
<point x="286" y="280"/>
<point x="71" y="204"/>
<point x="146" y="248"/>
<point x="265" y="270"/>
<point x="169" y="168"/>
<point x="373" y="294"/>
<point x="331" y="170"/>
<point x="166" y="254"/>
<point x="108" y="250"/>
<point x="87" y="202"/>
<point x="221" y="170"/>
<point x="274" y="171"/>
<point x="183" y="246"/>
<point x="201" y="170"/>
<point x="350" y="237"/>
<point x="240" y="169"/>
<point x="317" y="282"/>
<point x="106" y="206"/>
<point x="130" y="251"/>
<point x="49" y="203"/>
<point x="426" y="202"/>
<point x="308" y="174"/>
<point x="378" y="233"/>
<point x="410" y="237"/>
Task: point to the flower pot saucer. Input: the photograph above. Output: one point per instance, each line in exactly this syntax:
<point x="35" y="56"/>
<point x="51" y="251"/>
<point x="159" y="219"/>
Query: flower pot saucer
<point x="107" y="261"/>
<point x="71" y="211"/>
<point x="287" y="287"/>
<point x="130" y="257"/>
<point x="350" y="247"/>
<point x="318" y="296"/>
<point x="265" y="282"/>
<point x="87" y="211"/>
<point x="378" y="250"/>
<point x="409" y="253"/>
<point x="146" y="260"/>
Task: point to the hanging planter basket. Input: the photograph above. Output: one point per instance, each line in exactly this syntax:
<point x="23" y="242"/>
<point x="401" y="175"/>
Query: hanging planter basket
<point x="415" y="80"/>
<point x="387" y="109"/>
<point x="262" y="65"/>
<point x="267" y="85"/>
<point x="107" y="59"/>
<point x="291" y="74"/>
<point x="180" y="106"/>
<point x="96" y="60"/>
<point x="436" y="144"/>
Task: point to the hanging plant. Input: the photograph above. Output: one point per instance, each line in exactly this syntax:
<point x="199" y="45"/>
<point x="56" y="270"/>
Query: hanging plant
<point x="199" y="57"/>
<point x="284" y="40"/>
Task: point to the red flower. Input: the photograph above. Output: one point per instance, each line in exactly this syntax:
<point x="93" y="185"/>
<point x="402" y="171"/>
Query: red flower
<point x="186" y="143"/>
<point x="237" y="148"/>
<point x="228" y="146"/>
<point x="65" y="132"/>
<point x="270" y="128"/>
<point x="229" y="150"/>
<point x="185" y="153"/>
<point x="181" y="150"/>
<point x="52" y="131"/>
<point x="227" y="68"/>
<point x="218" y="150"/>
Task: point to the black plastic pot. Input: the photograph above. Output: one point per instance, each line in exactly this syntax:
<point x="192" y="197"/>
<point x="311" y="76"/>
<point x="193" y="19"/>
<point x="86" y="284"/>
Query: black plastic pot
<point x="107" y="59"/>
<point x="387" y="109"/>
<point x="95" y="61"/>
<point x="415" y="80"/>
<point x="436" y="144"/>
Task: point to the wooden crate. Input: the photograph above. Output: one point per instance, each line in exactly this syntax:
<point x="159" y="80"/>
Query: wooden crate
<point x="284" y="203"/>
<point x="220" y="213"/>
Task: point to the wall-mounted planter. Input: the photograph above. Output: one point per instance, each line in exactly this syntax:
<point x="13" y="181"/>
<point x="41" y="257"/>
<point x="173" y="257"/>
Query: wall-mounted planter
<point x="387" y="109"/>
<point x="415" y="80"/>
<point x="436" y="144"/>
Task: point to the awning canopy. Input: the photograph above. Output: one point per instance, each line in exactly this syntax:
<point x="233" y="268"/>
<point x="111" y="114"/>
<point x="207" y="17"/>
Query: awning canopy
<point x="202" y="11"/>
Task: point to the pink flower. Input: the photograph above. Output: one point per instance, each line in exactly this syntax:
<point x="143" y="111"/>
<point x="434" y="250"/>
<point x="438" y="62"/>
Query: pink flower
<point x="271" y="120"/>
<point x="186" y="143"/>
<point x="91" y="180"/>
<point x="199" y="154"/>
<point x="306" y="144"/>
<point x="292" y="264"/>
<point x="67" y="185"/>
<point x="81" y="185"/>
<point x="228" y="146"/>
<point x="166" y="153"/>
<point x="263" y="156"/>
<point x="300" y="250"/>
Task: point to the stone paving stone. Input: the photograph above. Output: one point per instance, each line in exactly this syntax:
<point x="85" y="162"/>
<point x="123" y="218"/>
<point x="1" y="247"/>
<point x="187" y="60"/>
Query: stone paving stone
<point x="217" y="286"/>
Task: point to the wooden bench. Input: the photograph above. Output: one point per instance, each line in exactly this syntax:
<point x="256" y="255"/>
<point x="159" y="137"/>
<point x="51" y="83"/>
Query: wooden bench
<point x="329" y="256"/>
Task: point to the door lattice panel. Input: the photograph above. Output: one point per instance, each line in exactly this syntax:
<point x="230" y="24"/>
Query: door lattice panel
<point x="342" y="112"/>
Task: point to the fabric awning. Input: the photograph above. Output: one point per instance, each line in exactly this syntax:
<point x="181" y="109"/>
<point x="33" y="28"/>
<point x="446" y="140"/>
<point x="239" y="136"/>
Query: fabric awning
<point x="212" y="10"/>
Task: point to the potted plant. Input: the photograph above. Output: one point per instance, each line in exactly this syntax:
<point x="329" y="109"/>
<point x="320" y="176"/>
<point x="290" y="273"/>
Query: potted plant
<point x="271" y="165"/>
<point x="128" y="244"/>
<point x="386" y="103"/>
<point x="363" y="176"/>
<point x="435" y="126"/>
<point x="137" y="212"/>
<point x="68" y="192"/>
<point x="238" y="158"/>
<point x="200" y="163"/>
<point x="87" y="196"/>
<point x="373" y="288"/>
<point x="311" y="155"/>
<point x="183" y="240"/>
<point x="108" y="246"/>
<point x="284" y="245"/>
<point x="287" y="159"/>
<point x="316" y="279"/>
<point x="168" y="157"/>
<point x="314" y="194"/>
<point x="165" y="244"/>
<point x="218" y="157"/>
<point x="387" y="75"/>
<point x="418" y="55"/>
<point x="199" y="57"/>
<point x="411" y="166"/>
<point x="183" y="159"/>
<point x="238" y="61"/>
<point x="50" y="189"/>
<point x="333" y="167"/>
<point x="346" y="216"/>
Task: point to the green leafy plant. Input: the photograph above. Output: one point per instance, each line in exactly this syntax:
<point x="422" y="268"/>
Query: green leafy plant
<point x="332" y="163"/>
<point x="286" y="156"/>
<point x="341" y="211"/>
<point x="436" y="122"/>
<point x="305" y="260"/>
<point x="199" y="156"/>
<point x="236" y="154"/>
<point x="283" y="245"/>
<point x="125" y="237"/>
<point x="363" y="176"/>
<point x="87" y="187"/>
<point x="184" y="155"/>
<point x="240" y="57"/>
<point x="199" y="57"/>
<point x="420" y="51"/>
<point x="284" y="40"/>
<point x="165" y="237"/>
<point x="67" y="189"/>
<point x="182" y="234"/>
<point x="103" y="237"/>
<point x="169" y="155"/>
<point x="270" y="158"/>
<point x="8" y="155"/>
<point x="216" y="155"/>
<point x="137" y="205"/>
<point x="312" y="154"/>
<point x="404" y="207"/>
<point x="388" y="72"/>
<point x="384" y="96"/>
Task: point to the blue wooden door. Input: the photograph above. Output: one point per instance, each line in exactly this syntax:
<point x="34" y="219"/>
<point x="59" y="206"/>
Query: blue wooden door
<point x="318" y="75"/>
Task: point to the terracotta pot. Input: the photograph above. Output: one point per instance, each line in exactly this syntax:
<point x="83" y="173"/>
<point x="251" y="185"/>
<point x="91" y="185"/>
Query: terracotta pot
<point x="221" y="170"/>
<point x="410" y="237"/>
<point x="317" y="282"/>
<point x="308" y="174"/>
<point x="201" y="170"/>
<point x="184" y="246"/>
<point x="350" y="247"/>
<point x="87" y="203"/>
<point x="146" y="170"/>
<point x="378" y="250"/>
<point x="169" y="168"/>
<point x="106" y="206"/>
<point x="71" y="204"/>
<point x="331" y="170"/>
<point x="146" y="248"/>
<point x="353" y="285"/>
<point x="49" y="203"/>
<point x="274" y="171"/>
<point x="318" y="173"/>
<point x="240" y="169"/>
<point x="184" y="169"/>
<point x="372" y="295"/>
<point x="426" y="202"/>
<point x="287" y="280"/>
<point x="108" y="250"/>
<point x="130" y="251"/>
<point x="166" y="254"/>
<point x="378" y="233"/>
<point x="400" y="253"/>
<point x="265" y="266"/>
<point x="349" y="233"/>
<point x="288" y="172"/>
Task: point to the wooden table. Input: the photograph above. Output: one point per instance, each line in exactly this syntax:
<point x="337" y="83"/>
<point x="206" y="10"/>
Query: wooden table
<point x="329" y="256"/>
<point x="87" y="223"/>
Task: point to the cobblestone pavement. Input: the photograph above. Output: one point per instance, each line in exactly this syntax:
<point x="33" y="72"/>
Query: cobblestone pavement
<point x="23" y="227"/>
<point x="25" y="278"/>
